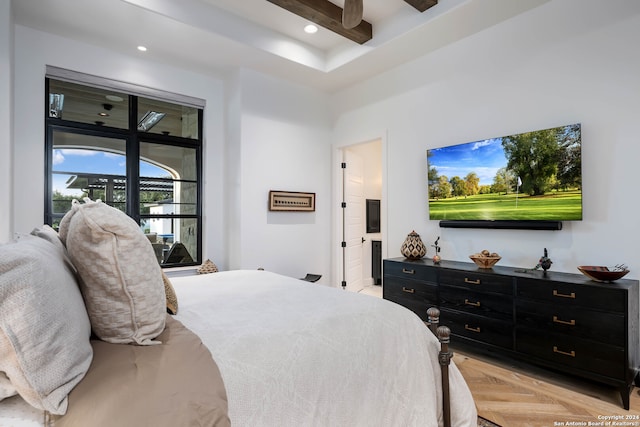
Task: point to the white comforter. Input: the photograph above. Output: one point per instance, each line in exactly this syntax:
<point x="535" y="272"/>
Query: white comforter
<point x="293" y="353"/>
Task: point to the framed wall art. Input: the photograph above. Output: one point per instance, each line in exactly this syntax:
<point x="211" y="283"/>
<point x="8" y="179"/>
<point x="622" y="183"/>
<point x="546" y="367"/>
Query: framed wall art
<point x="292" y="201"/>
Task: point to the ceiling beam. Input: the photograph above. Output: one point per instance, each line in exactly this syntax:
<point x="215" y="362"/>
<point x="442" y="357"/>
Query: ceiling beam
<point x="329" y="16"/>
<point x="422" y="5"/>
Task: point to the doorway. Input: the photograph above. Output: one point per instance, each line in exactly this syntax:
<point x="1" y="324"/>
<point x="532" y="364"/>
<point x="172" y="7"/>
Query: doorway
<point x="361" y="180"/>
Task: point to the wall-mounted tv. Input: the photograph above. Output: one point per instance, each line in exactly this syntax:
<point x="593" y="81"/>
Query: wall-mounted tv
<point x="526" y="180"/>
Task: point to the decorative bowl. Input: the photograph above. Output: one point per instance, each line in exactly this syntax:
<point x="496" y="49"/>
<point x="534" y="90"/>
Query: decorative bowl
<point x="485" y="261"/>
<point x="602" y="273"/>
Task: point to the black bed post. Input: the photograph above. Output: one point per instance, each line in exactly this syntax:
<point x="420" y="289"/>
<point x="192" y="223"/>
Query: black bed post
<point x="444" y="358"/>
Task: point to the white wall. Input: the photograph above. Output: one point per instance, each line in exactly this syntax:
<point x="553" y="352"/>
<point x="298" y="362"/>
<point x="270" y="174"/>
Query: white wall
<point x="260" y="134"/>
<point x="285" y="145"/>
<point x="6" y="114"/>
<point x="564" y="62"/>
<point x="33" y="51"/>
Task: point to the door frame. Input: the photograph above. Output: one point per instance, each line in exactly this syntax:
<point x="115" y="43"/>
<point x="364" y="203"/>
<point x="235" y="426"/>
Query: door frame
<point x="337" y="160"/>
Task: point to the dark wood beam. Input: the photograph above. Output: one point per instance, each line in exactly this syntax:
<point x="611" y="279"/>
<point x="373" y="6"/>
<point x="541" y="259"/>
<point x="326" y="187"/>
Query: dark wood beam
<point x="422" y="5"/>
<point x="327" y="15"/>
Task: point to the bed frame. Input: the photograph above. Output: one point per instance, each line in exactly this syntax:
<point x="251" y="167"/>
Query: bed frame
<point x="444" y="357"/>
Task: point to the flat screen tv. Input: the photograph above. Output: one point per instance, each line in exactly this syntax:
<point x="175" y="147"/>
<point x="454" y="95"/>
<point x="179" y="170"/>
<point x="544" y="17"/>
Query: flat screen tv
<point x="526" y="180"/>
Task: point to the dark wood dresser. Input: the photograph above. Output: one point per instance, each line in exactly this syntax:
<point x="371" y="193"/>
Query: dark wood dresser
<point x="560" y="321"/>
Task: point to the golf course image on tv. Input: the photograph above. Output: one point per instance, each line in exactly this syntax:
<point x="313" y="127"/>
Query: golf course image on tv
<point x="531" y="176"/>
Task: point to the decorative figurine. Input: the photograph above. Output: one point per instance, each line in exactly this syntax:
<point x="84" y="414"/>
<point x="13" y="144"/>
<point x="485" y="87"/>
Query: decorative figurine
<point x="544" y="263"/>
<point x="436" y="257"/>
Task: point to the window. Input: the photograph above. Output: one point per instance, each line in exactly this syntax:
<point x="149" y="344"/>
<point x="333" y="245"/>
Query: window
<point x="136" y="153"/>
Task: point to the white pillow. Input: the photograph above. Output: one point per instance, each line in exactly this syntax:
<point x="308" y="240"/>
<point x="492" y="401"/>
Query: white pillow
<point x="44" y="327"/>
<point x="50" y="235"/>
<point x="120" y="278"/>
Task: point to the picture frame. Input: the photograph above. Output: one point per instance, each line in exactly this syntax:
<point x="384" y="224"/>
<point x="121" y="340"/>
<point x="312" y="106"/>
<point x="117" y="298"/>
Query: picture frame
<point x="292" y="201"/>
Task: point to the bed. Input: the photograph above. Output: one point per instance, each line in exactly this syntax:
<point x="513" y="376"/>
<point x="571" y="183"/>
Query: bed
<point x="292" y="353"/>
<point x="245" y="348"/>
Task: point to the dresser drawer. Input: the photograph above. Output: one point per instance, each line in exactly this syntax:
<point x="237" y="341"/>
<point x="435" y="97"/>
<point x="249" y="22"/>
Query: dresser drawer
<point x="482" y="329"/>
<point x="573" y="294"/>
<point x="409" y="270"/>
<point x="603" y="359"/>
<point x="490" y="305"/>
<point x="485" y="282"/>
<point x="410" y="289"/>
<point x="416" y="296"/>
<point x="598" y="326"/>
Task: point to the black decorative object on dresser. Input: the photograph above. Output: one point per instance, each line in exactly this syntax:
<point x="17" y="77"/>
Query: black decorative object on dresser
<point x="561" y="321"/>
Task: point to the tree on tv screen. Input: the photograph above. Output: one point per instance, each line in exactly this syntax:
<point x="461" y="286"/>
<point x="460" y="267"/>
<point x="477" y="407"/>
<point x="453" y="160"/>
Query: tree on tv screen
<point x="545" y="158"/>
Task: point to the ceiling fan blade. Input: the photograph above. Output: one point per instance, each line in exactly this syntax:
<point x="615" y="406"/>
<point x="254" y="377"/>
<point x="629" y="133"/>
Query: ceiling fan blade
<point x="352" y="13"/>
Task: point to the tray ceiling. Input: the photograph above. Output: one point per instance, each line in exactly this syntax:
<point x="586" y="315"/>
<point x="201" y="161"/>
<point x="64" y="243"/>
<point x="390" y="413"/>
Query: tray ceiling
<point x="218" y="36"/>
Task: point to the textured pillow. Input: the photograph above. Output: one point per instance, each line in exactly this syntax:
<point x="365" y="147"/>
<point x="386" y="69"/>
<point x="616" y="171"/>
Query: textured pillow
<point x="170" y="293"/>
<point x="6" y="388"/>
<point x="207" y="267"/>
<point x="120" y="278"/>
<point x="44" y="327"/>
<point x="49" y="234"/>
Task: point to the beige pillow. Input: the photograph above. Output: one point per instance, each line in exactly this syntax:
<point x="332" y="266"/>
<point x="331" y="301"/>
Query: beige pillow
<point x="44" y="327"/>
<point x="120" y="278"/>
<point x="207" y="267"/>
<point x="170" y="293"/>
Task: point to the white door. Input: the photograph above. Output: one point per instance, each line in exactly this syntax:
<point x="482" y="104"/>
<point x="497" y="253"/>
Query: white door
<point x="354" y="220"/>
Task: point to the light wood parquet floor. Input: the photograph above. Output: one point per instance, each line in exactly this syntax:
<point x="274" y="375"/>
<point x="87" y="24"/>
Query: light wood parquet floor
<point x="522" y="396"/>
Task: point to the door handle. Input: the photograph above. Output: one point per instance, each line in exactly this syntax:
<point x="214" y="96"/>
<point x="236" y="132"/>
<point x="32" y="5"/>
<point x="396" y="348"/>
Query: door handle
<point x="363" y="239"/>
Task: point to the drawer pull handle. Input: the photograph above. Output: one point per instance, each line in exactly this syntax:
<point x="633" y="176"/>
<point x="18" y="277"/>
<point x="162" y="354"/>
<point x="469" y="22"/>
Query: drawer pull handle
<point x="571" y="322"/>
<point x="469" y="328"/>
<point x="475" y="304"/>
<point x="404" y="270"/>
<point x="473" y="282"/>
<point x="408" y="290"/>
<point x="558" y="294"/>
<point x="571" y="353"/>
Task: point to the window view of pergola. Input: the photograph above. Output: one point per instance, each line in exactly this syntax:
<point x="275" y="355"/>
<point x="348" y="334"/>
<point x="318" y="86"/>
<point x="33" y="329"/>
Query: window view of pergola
<point x="150" y="172"/>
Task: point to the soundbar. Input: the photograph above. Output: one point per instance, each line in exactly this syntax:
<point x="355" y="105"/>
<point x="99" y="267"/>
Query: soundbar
<point x="512" y="225"/>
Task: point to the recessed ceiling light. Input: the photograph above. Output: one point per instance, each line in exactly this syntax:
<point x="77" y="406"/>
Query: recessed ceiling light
<point x="310" y="29"/>
<point x="142" y="48"/>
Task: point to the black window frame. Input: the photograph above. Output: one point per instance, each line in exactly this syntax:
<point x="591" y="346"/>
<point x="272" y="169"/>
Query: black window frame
<point x="133" y="138"/>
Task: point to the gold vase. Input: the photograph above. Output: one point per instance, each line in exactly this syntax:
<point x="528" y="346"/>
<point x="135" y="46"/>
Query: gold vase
<point x="413" y="248"/>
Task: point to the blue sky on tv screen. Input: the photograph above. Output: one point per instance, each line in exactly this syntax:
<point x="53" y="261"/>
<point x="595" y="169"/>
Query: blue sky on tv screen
<point x="92" y="161"/>
<point x="482" y="157"/>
